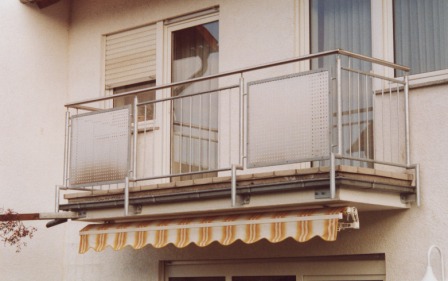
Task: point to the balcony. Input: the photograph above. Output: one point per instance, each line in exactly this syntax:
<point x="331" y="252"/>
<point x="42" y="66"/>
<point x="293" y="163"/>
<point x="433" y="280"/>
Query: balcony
<point x="268" y="137"/>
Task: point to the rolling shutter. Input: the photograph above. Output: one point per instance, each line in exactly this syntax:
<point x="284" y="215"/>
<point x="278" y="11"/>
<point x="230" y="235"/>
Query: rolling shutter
<point x="130" y="56"/>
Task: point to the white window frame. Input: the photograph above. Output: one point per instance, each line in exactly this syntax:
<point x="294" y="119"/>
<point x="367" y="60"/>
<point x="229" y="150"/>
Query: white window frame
<point x="382" y="46"/>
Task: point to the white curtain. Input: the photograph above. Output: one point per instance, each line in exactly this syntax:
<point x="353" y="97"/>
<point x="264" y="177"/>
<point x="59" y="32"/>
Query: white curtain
<point x="421" y="34"/>
<point x="346" y="24"/>
<point x="341" y="24"/>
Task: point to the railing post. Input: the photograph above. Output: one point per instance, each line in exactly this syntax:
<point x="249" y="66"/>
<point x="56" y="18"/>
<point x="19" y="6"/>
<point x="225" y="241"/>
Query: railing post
<point x="406" y="101"/>
<point x="135" y="131"/>
<point x="339" y="102"/>
<point x="233" y="188"/>
<point x="332" y="176"/>
<point x="66" y="147"/>
<point x="126" y="196"/>
<point x="56" y="200"/>
<point x="241" y="114"/>
<point x="417" y="185"/>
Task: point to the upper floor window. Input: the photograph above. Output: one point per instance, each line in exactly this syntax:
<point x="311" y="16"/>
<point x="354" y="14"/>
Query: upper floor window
<point x="130" y="64"/>
<point x="341" y="24"/>
<point x="421" y="34"/>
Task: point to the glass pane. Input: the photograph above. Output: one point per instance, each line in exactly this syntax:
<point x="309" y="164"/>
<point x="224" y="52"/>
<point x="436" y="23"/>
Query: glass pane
<point x="421" y="34"/>
<point x="195" y="119"/>
<point x="340" y="24"/>
<point x="346" y="24"/>
<point x="144" y="112"/>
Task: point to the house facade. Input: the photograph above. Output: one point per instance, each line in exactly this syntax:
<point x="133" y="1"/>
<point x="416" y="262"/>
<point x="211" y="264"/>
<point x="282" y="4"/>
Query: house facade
<point x="225" y="140"/>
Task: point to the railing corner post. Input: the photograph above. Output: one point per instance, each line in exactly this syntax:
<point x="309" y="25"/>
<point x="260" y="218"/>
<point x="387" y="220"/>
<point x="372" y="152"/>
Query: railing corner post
<point x="406" y="100"/>
<point x="233" y="187"/>
<point x="339" y="102"/>
<point x="332" y="176"/>
<point x="57" y="196"/>
<point x="126" y="197"/>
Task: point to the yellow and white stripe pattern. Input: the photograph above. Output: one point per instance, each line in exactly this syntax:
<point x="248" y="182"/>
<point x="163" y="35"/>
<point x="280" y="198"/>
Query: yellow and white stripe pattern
<point x="275" y="227"/>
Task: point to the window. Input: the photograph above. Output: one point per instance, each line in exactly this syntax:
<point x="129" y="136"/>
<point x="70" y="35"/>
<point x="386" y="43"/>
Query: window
<point x="145" y="113"/>
<point x="421" y="34"/>
<point x="194" y="53"/>
<point x="130" y="56"/>
<point x="341" y="24"/>
<point x="130" y="64"/>
<point x="346" y="24"/>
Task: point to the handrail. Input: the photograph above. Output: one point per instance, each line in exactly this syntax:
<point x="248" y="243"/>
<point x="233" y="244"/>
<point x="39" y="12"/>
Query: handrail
<point x="243" y="70"/>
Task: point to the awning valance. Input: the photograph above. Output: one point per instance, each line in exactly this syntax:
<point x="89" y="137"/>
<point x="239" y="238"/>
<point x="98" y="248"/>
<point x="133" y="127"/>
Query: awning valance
<point x="275" y="227"/>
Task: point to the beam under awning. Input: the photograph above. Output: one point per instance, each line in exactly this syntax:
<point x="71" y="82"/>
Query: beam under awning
<point x="301" y="225"/>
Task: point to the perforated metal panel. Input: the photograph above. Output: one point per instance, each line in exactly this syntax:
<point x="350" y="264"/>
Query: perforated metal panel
<point x="288" y="119"/>
<point x="100" y="147"/>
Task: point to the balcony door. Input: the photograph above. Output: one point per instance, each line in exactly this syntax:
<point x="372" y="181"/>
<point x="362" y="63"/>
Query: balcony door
<point x="194" y="52"/>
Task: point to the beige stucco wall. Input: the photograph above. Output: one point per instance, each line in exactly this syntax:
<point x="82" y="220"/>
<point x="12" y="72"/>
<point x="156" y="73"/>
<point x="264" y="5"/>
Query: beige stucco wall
<point x="251" y="32"/>
<point x="33" y="75"/>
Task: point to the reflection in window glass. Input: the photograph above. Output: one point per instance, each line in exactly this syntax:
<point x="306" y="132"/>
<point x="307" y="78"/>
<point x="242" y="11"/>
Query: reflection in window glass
<point x="144" y="112"/>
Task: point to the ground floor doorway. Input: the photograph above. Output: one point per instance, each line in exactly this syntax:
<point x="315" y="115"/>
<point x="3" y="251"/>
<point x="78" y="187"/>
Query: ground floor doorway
<point x="354" y="268"/>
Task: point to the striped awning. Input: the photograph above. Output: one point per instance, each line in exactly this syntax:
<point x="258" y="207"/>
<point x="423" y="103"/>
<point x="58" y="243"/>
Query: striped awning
<point x="275" y="227"/>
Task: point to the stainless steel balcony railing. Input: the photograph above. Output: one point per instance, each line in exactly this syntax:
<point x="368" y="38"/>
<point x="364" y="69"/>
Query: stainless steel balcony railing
<point x="347" y="111"/>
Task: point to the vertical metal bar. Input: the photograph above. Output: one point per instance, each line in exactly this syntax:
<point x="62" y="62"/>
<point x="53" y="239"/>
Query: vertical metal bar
<point x="56" y="201"/>
<point x="417" y="184"/>
<point x="366" y="105"/>
<point x="181" y="129"/>
<point x="126" y="196"/>
<point x="134" y="154"/>
<point x="154" y="114"/>
<point x="382" y="123"/>
<point x="332" y="175"/>
<point x="373" y="116"/>
<point x="191" y="135"/>
<point x="339" y="103"/>
<point x="241" y="123"/>
<point x="145" y="135"/>
<point x="367" y="95"/>
<point x="406" y="105"/>
<point x="350" y="108"/>
<point x="200" y="133"/>
<point x="398" y="123"/>
<point x="218" y="143"/>
<point x="66" y="147"/>
<point x="359" y="115"/>
<point x="209" y="130"/>
<point x="390" y="123"/>
<point x="233" y="188"/>
<point x="230" y="127"/>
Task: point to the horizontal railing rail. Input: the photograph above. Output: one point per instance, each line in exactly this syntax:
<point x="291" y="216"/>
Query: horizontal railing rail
<point x="245" y="70"/>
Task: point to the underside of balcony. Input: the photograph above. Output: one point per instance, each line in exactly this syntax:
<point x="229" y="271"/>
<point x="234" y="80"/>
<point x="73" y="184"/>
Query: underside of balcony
<point x="365" y="188"/>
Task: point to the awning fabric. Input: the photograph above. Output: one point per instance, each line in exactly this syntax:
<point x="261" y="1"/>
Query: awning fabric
<point x="275" y="227"/>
